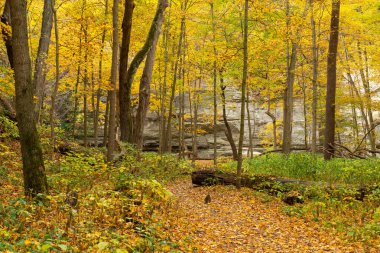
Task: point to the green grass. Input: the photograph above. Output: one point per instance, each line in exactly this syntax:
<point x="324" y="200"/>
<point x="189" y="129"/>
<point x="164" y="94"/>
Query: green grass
<point x="306" y="166"/>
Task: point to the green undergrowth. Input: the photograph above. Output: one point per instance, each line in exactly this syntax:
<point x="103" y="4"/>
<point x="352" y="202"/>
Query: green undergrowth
<point x="120" y="206"/>
<point x="343" y="194"/>
<point x="306" y="166"/>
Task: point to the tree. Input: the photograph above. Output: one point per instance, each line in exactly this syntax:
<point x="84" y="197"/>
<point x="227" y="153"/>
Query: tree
<point x="146" y="78"/>
<point x="125" y="89"/>
<point x="243" y="92"/>
<point x="43" y="49"/>
<point x="331" y="81"/>
<point x="112" y="94"/>
<point x="33" y="165"/>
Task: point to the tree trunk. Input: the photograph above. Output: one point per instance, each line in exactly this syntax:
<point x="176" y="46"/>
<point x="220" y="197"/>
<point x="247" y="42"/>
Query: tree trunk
<point x="164" y="85"/>
<point x="314" y="81"/>
<point x="124" y="89"/>
<point x="42" y="54"/>
<point x="85" y="86"/>
<point x="243" y="91"/>
<point x="7" y="32"/>
<point x="100" y="74"/>
<point x="228" y="131"/>
<point x="368" y="99"/>
<point x="214" y="83"/>
<point x="78" y="73"/>
<point x="106" y="119"/>
<point x="33" y="165"/>
<point x="167" y="145"/>
<point x="250" y="148"/>
<point x="331" y="82"/>
<point x="55" y="88"/>
<point x="126" y="121"/>
<point x="145" y="81"/>
<point x="288" y="101"/>
<point x="112" y="93"/>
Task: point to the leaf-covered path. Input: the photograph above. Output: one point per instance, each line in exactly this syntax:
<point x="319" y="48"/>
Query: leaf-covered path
<point x="239" y="221"/>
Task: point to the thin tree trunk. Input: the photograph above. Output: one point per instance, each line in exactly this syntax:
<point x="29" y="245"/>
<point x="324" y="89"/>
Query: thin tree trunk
<point x="42" y="54"/>
<point x="164" y="86"/>
<point x="78" y="73"/>
<point x="112" y="93"/>
<point x="244" y="86"/>
<point x="250" y="148"/>
<point x="214" y="84"/>
<point x="85" y="86"/>
<point x="228" y="130"/>
<point x="368" y="99"/>
<point x="274" y="124"/>
<point x="167" y="140"/>
<point x="55" y="89"/>
<point x="314" y="81"/>
<point x="100" y="74"/>
<point x="331" y="82"/>
<point x="33" y="165"/>
<point x="124" y="89"/>
<point x="7" y="31"/>
<point x="106" y="119"/>
<point x="145" y="81"/>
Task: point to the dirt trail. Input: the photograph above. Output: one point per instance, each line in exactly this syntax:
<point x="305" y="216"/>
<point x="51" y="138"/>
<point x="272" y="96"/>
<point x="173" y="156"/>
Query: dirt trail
<point x="238" y="221"/>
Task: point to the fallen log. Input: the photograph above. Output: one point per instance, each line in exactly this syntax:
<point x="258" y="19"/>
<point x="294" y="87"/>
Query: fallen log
<point x="291" y="190"/>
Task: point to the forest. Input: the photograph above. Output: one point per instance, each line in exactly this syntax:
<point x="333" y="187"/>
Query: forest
<point x="190" y="126"/>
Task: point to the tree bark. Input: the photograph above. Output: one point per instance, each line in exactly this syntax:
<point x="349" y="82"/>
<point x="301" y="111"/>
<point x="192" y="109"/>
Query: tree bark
<point x="331" y="82"/>
<point x="243" y="91"/>
<point x="145" y="81"/>
<point x="112" y="93"/>
<point x="314" y="81"/>
<point x="42" y="54"/>
<point x="7" y="32"/>
<point x="214" y="84"/>
<point x="228" y="130"/>
<point x="55" y="88"/>
<point x="167" y="145"/>
<point x="124" y="89"/>
<point x="33" y="165"/>
<point x="85" y="86"/>
<point x="100" y="74"/>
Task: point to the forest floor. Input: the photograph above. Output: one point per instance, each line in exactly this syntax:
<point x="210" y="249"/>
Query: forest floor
<point x="245" y="221"/>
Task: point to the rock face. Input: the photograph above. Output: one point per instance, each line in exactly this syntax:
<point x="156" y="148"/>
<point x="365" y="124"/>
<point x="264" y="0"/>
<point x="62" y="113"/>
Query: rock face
<point x="261" y="125"/>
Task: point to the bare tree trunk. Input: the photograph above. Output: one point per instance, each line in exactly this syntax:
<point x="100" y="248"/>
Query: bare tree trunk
<point x="100" y="74"/>
<point x="124" y="89"/>
<point x="43" y="49"/>
<point x="274" y="123"/>
<point x="167" y="145"/>
<point x="78" y="73"/>
<point x="250" y="148"/>
<point x="145" y="81"/>
<point x="33" y="165"/>
<point x="331" y="82"/>
<point x="106" y="120"/>
<point x="112" y="93"/>
<point x="6" y="31"/>
<point x="315" y="81"/>
<point x="55" y="89"/>
<point x="228" y="131"/>
<point x="244" y="86"/>
<point x="126" y="121"/>
<point x="164" y="85"/>
<point x="85" y="86"/>
<point x="214" y="83"/>
<point x="368" y="99"/>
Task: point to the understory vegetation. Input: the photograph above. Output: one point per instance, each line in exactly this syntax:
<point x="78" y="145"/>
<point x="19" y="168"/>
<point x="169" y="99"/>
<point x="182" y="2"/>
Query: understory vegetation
<point x="125" y="206"/>
<point x="343" y="194"/>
